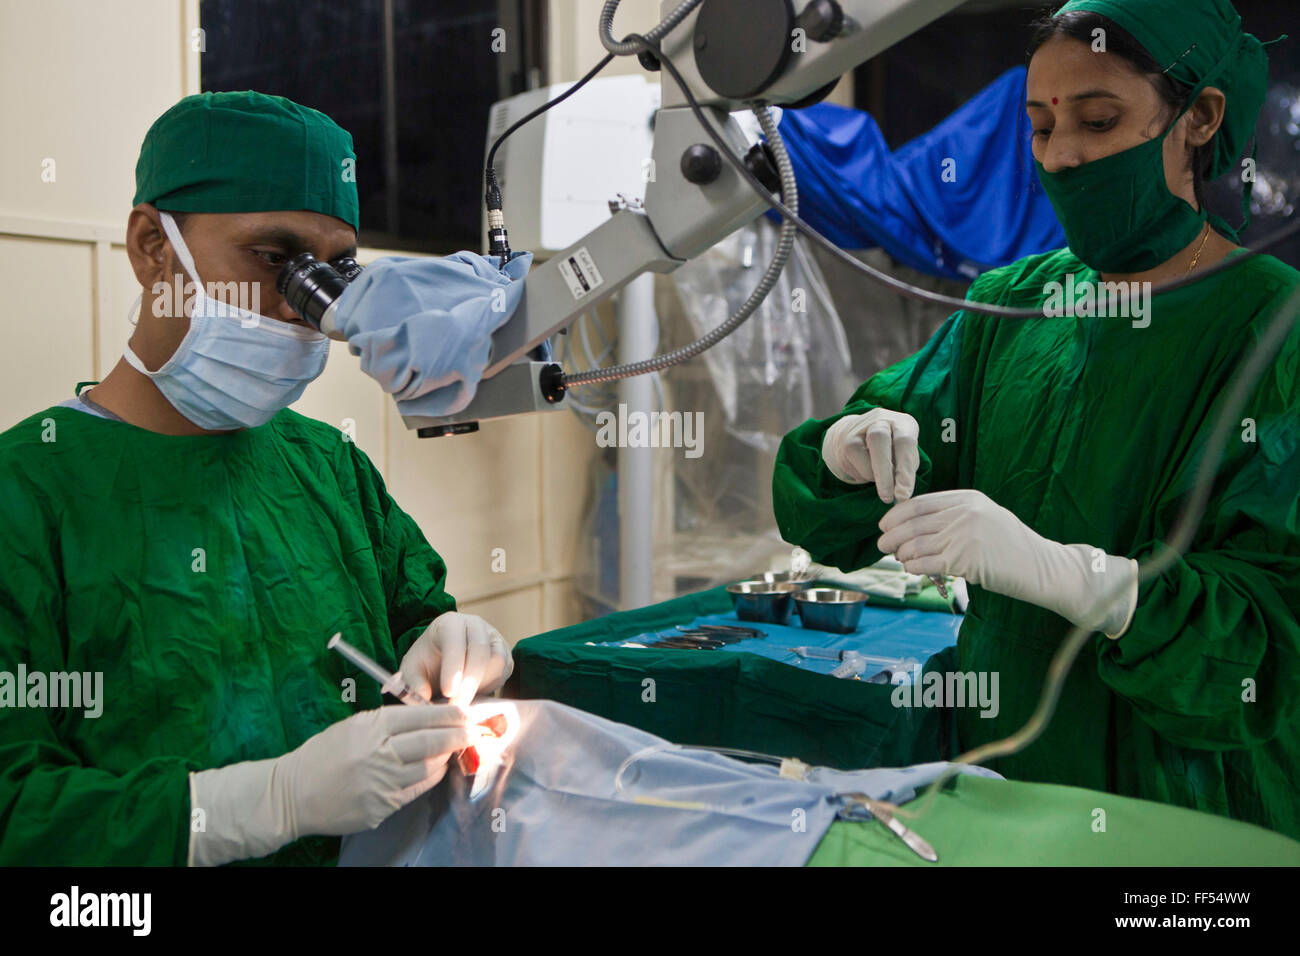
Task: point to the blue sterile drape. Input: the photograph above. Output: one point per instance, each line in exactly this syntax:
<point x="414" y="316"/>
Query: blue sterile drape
<point x="953" y="202"/>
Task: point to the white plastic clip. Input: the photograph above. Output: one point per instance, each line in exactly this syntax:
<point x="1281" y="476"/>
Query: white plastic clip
<point x="794" y="769"/>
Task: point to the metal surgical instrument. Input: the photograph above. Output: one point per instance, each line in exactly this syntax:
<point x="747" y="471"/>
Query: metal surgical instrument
<point x="818" y="653"/>
<point x="879" y="810"/>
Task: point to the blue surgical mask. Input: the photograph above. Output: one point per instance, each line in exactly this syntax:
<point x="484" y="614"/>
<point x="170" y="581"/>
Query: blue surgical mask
<point x="234" y="368"/>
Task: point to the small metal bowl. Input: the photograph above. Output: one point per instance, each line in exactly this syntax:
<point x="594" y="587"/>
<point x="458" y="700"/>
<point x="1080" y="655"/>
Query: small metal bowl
<point x="830" y="609"/>
<point x="783" y="577"/>
<point x="766" y="601"/>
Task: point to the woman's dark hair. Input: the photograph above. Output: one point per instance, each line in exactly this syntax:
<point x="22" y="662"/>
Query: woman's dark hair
<point x="1080" y="24"/>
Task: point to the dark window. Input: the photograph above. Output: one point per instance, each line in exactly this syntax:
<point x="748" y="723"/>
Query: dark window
<point x="420" y="161"/>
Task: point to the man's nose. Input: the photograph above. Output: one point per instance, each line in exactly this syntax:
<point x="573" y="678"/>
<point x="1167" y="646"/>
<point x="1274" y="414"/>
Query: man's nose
<point x="286" y="313"/>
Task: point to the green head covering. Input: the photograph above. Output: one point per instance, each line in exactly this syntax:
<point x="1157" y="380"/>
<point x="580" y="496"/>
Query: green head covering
<point x="247" y="152"/>
<point x="1200" y="43"/>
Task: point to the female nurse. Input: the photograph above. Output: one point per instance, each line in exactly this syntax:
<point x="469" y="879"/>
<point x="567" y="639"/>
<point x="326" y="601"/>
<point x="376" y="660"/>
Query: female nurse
<point x="1040" y="459"/>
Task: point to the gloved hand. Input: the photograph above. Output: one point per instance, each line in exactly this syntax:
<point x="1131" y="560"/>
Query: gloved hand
<point x="347" y="778"/>
<point x="879" y="446"/>
<point x="423" y="327"/>
<point x="461" y="654"/>
<point x="966" y="533"/>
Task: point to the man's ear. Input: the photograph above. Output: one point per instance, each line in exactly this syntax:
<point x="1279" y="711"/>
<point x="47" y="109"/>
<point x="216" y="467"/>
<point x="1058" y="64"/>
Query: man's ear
<point x="146" y="245"/>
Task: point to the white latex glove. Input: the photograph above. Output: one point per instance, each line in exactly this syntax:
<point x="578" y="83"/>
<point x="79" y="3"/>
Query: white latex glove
<point x="965" y="533"/>
<point x="347" y="778"/>
<point x="879" y="446"/>
<point x="461" y="654"/>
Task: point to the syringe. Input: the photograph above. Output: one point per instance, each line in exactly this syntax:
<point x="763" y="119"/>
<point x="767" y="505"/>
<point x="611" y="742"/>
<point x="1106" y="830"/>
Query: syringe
<point x="855" y="663"/>
<point x="852" y="663"/>
<point x="468" y="759"/>
<point x="388" y="683"/>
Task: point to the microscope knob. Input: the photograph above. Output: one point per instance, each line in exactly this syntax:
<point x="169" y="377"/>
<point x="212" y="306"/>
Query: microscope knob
<point x="701" y="164"/>
<point x="822" y="19"/>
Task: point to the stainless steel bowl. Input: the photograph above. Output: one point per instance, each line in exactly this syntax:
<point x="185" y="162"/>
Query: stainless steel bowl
<point x="766" y="601"/>
<point x="830" y="609"/>
<point x="783" y="577"/>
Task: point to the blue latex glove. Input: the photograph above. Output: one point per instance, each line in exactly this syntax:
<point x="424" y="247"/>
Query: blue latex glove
<point x="423" y="327"/>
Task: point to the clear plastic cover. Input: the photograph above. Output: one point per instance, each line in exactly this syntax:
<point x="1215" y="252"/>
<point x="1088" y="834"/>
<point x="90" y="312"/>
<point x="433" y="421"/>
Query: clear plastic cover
<point x="789" y="362"/>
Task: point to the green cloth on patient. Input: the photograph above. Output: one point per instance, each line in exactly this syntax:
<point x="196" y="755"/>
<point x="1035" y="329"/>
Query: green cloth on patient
<point x="1090" y="430"/>
<point x="202" y="575"/>
<point x="983" y="822"/>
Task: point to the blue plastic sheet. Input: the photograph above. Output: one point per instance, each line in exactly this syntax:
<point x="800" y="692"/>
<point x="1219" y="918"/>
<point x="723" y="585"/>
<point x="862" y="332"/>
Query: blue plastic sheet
<point x="575" y="789"/>
<point x="959" y="200"/>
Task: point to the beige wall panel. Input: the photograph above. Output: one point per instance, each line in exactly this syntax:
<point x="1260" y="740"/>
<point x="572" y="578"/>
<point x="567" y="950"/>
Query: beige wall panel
<point x="516" y="615"/>
<point x="82" y="82"/>
<point x="568" y="449"/>
<point x="345" y="393"/>
<point x="575" y="40"/>
<point x="560" y="605"/>
<point x="470" y="494"/>
<point x="116" y="324"/>
<point x="48" y="324"/>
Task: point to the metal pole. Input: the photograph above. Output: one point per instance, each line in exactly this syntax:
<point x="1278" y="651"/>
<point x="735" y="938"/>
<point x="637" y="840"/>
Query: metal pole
<point x="637" y="339"/>
<point x="390" y="121"/>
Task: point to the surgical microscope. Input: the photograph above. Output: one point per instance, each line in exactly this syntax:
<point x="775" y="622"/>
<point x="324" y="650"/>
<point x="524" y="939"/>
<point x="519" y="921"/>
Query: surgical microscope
<point x="729" y="55"/>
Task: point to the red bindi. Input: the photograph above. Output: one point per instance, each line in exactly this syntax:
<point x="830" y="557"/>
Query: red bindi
<point x="1053" y="100"/>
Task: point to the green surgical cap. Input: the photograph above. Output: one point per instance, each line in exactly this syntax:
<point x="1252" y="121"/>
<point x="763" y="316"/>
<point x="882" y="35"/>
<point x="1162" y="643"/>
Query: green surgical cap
<point x="247" y="152"/>
<point x="1199" y="43"/>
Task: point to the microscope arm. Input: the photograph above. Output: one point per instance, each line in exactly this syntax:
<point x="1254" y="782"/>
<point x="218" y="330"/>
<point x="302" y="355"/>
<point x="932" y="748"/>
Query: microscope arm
<point x="687" y="210"/>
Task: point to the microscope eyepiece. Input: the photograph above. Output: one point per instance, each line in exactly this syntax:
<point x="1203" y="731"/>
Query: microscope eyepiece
<point x="347" y="267"/>
<point x="311" y="287"/>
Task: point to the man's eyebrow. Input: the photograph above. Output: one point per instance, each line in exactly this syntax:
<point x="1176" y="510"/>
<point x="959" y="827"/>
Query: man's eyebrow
<point x="1085" y="95"/>
<point x="292" y="242"/>
<point x="286" y="239"/>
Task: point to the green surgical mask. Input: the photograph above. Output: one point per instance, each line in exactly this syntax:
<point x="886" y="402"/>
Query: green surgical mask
<point x="1118" y="213"/>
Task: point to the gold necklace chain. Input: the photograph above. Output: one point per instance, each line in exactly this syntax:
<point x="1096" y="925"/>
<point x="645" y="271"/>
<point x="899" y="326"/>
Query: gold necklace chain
<point x="1197" y="258"/>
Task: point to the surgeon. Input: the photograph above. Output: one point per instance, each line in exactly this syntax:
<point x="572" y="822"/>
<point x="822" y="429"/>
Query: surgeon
<point x="1041" y="459"/>
<point x="180" y="533"/>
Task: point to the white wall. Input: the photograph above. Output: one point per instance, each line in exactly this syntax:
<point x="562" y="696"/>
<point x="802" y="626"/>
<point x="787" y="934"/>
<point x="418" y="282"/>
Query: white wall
<point x="81" y="81"/>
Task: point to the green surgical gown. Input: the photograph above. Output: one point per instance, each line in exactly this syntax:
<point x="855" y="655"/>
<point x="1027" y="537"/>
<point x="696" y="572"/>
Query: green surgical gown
<point x="1090" y="429"/>
<point x="202" y="577"/>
